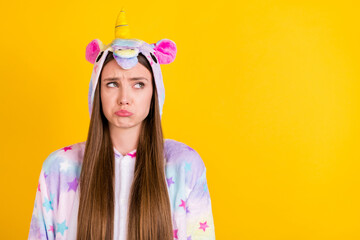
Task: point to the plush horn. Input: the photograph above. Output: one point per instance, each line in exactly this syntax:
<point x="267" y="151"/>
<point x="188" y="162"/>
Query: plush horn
<point x="122" y="29"/>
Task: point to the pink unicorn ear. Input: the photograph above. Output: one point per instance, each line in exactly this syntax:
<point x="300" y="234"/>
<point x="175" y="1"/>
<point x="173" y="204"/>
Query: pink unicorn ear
<point x="92" y="50"/>
<point x="165" y="51"/>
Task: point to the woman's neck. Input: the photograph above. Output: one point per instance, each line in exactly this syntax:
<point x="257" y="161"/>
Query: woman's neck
<point x="125" y="139"/>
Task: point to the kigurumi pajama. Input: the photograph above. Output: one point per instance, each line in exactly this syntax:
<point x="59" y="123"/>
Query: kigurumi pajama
<point x="57" y="195"/>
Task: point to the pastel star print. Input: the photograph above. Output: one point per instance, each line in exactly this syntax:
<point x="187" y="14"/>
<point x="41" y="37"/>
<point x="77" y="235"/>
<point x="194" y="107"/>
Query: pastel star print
<point x="61" y="227"/>
<point x="182" y="204"/>
<point x="67" y="148"/>
<point x="169" y="181"/>
<point x="205" y="187"/>
<point x="60" y="179"/>
<point x="73" y="185"/>
<point x="48" y="204"/>
<point x="175" y="234"/>
<point x="203" y="226"/>
<point x="187" y="166"/>
<point x="64" y="166"/>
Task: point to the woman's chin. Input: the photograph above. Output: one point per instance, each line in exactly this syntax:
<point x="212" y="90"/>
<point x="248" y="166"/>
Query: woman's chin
<point x="124" y="124"/>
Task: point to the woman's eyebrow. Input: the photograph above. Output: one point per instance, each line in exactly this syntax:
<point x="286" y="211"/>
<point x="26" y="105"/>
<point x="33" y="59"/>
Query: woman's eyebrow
<point x="116" y="78"/>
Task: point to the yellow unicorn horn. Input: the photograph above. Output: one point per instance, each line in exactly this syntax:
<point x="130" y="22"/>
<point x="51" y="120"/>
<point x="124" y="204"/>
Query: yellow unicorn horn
<point x="122" y="29"/>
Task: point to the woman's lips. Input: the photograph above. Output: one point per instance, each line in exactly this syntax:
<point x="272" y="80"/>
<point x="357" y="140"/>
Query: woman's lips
<point x="123" y="113"/>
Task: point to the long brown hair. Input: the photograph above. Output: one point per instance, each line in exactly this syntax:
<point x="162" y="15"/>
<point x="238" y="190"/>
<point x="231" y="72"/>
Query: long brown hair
<point x="149" y="215"/>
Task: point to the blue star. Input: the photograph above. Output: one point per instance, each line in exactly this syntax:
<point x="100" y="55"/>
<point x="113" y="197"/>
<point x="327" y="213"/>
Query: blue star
<point x="187" y="166"/>
<point x="205" y="187"/>
<point x="48" y="204"/>
<point x="61" y="227"/>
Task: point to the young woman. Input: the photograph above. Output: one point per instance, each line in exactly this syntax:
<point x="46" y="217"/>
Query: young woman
<point x="125" y="181"/>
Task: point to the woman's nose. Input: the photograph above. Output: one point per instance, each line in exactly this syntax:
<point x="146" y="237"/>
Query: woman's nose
<point x="123" y="96"/>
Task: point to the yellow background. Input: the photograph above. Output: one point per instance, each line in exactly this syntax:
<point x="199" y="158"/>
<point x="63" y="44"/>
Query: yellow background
<point x="267" y="92"/>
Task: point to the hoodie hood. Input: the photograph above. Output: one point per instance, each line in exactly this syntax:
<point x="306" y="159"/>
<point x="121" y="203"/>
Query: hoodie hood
<point x="125" y="51"/>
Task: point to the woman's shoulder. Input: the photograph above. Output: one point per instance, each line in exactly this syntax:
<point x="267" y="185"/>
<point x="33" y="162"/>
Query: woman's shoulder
<point x="64" y="158"/>
<point x="179" y="151"/>
<point x="182" y="156"/>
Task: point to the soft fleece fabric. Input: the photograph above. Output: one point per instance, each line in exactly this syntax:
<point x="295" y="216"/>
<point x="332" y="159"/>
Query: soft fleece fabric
<point x="187" y="188"/>
<point x="54" y="215"/>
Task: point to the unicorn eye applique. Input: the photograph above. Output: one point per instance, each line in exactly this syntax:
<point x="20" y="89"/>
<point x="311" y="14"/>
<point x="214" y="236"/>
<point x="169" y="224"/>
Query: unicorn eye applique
<point x="126" y="53"/>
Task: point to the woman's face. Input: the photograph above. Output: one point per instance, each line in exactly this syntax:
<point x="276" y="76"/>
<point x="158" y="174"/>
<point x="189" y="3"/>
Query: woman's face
<point x="125" y="89"/>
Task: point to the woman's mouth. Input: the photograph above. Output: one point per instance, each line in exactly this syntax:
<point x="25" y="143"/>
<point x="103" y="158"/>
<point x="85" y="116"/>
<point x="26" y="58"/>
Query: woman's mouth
<point x="123" y="113"/>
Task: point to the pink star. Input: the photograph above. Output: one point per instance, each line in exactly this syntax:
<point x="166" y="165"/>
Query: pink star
<point x="95" y="68"/>
<point x="132" y="155"/>
<point x="175" y="234"/>
<point x="67" y="148"/>
<point x="51" y="228"/>
<point x="203" y="226"/>
<point x="39" y="187"/>
<point x="182" y="204"/>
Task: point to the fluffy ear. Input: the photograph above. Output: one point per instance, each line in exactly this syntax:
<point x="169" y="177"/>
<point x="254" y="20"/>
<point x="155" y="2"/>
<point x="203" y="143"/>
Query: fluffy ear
<point x="93" y="49"/>
<point x="165" y="51"/>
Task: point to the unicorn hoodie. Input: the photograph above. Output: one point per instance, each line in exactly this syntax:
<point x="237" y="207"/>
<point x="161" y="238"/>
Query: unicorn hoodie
<point x="56" y="204"/>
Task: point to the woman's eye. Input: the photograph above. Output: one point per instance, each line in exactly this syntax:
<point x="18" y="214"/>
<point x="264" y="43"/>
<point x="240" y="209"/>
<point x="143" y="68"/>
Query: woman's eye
<point x="141" y="84"/>
<point x="110" y="83"/>
<point x="138" y="85"/>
